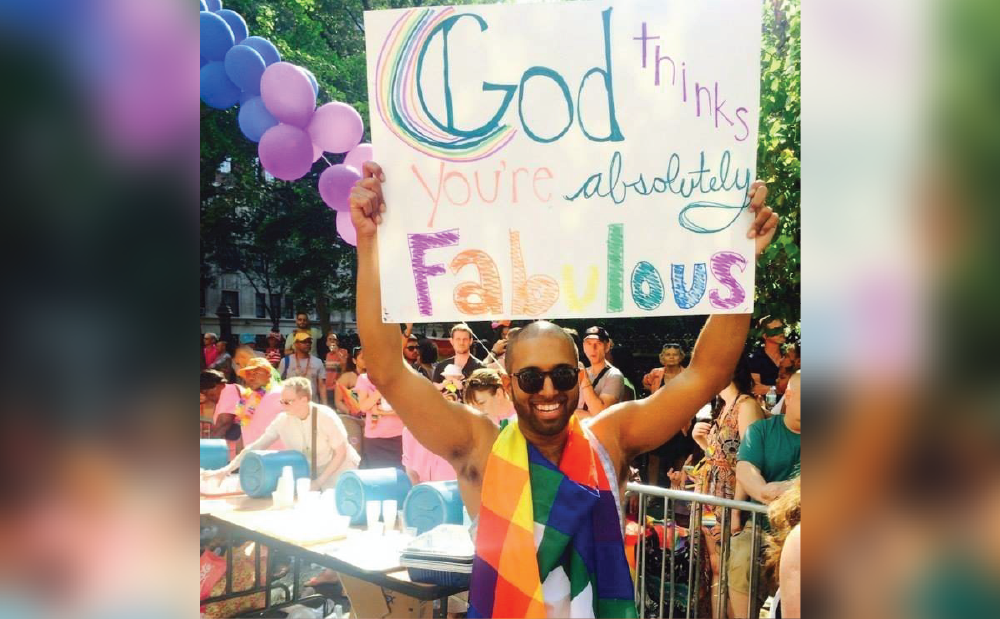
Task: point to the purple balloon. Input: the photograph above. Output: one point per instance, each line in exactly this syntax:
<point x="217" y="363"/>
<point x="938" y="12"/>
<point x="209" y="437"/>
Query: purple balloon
<point x="236" y="23"/>
<point x="335" y="185"/>
<point x="345" y="228"/>
<point x="336" y="127"/>
<point x="358" y="156"/>
<point x="288" y="94"/>
<point x="317" y="153"/>
<point x="312" y="79"/>
<point x="286" y="152"/>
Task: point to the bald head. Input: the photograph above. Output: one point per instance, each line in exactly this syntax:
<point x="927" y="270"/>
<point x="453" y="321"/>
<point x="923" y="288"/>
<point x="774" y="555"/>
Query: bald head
<point x="541" y="329"/>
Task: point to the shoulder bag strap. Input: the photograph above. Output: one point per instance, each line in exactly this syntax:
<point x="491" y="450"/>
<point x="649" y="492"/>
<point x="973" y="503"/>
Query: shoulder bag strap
<point x="315" y="413"/>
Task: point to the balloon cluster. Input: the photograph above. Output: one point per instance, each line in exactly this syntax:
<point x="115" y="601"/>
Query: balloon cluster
<point x="278" y="109"/>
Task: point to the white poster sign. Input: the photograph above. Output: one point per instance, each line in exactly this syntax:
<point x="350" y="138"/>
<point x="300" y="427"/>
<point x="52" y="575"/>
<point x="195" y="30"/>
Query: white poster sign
<point x="578" y="159"/>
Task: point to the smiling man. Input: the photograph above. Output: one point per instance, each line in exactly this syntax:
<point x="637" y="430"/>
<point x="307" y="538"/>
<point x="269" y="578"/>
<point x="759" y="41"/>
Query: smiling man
<point x="545" y="491"/>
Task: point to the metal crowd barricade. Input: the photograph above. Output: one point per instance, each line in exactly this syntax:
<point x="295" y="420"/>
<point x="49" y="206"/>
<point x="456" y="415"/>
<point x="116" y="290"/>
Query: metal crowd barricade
<point x="697" y="501"/>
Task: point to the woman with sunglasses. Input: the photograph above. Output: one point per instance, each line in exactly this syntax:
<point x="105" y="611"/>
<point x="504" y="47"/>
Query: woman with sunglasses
<point x="493" y="464"/>
<point x="766" y="361"/>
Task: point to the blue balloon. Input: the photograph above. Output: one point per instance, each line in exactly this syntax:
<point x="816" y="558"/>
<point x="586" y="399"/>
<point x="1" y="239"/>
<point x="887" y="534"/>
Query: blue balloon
<point x="236" y="23"/>
<point x="204" y="7"/>
<point x="203" y="61"/>
<point x="213" y="5"/>
<point x="246" y="96"/>
<point x="244" y="66"/>
<point x="312" y="80"/>
<point x="216" y="36"/>
<point x="254" y="119"/>
<point x="265" y="48"/>
<point x="216" y="88"/>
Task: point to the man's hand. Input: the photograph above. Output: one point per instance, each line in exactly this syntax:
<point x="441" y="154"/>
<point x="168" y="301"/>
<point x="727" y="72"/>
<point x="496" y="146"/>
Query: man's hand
<point x="765" y="222"/>
<point x="367" y="203"/>
<point x="217" y="474"/>
<point x="775" y="489"/>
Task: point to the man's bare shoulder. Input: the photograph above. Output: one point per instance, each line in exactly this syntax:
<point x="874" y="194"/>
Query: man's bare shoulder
<point x="470" y="464"/>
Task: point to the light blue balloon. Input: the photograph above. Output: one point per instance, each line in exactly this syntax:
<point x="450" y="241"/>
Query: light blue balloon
<point x="254" y="119"/>
<point x="244" y="66"/>
<point x="216" y="36"/>
<point x="213" y="5"/>
<point x="204" y="7"/>
<point x="236" y="23"/>
<point x="265" y="48"/>
<point x="217" y="90"/>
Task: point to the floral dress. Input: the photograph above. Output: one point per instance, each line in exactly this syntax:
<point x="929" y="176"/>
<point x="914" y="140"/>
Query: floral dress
<point x="723" y="443"/>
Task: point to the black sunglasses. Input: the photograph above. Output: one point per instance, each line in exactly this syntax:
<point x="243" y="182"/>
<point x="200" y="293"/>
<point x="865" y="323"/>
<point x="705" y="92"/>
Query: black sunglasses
<point x="531" y="380"/>
<point x="411" y="348"/>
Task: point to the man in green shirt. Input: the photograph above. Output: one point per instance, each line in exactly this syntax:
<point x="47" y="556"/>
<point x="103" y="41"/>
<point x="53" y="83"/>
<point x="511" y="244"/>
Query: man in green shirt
<point x="767" y="461"/>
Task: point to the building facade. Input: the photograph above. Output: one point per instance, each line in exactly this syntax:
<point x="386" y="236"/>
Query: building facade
<point x="249" y="310"/>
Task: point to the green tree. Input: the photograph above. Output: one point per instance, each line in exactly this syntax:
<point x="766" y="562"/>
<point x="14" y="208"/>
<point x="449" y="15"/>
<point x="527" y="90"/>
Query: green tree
<point x="778" y="152"/>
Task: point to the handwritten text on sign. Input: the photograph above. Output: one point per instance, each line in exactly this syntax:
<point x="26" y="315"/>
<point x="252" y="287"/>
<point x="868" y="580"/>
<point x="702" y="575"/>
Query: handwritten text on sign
<point x="565" y="160"/>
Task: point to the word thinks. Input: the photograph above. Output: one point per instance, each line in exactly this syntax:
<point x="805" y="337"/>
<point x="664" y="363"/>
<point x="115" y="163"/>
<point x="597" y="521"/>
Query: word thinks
<point x="715" y="107"/>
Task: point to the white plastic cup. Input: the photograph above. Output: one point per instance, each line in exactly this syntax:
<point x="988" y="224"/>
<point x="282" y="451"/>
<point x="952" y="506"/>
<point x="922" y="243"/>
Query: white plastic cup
<point x="302" y="487"/>
<point x="389" y="513"/>
<point x="373" y="509"/>
<point x="328" y="499"/>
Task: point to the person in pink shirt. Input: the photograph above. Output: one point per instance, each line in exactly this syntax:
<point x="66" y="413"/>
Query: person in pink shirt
<point x="250" y="409"/>
<point x="485" y="393"/>
<point x="422" y="465"/>
<point x="210" y="351"/>
<point x="383" y="428"/>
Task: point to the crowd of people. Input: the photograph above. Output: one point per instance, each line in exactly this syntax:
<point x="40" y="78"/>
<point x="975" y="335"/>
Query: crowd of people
<point x="456" y="419"/>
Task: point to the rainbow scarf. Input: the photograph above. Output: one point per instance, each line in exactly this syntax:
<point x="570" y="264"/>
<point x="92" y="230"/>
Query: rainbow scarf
<point x="548" y="533"/>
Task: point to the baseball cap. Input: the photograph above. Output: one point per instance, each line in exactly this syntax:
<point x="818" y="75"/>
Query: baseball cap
<point x="247" y="338"/>
<point x="302" y="335"/>
<point x="597" y="332"/>
<point x="452" y="370"/>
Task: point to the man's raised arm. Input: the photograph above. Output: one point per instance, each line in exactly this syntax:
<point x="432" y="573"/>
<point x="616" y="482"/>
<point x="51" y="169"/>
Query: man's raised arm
<point x="446" y="428"/>
<point x="646" y="424"/>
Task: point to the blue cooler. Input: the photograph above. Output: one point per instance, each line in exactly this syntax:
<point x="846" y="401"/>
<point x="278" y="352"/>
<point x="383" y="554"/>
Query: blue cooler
<point x="355" y="488"/>
<point x="432" y="503"/>
<point x="214" y="453"/>
<point x="260" y="470"/>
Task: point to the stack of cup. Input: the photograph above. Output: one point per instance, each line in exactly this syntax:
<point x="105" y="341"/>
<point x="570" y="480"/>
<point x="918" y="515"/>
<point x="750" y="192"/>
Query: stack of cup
<point x="284" y="494"/>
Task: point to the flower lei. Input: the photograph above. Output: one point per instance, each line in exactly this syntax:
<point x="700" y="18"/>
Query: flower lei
<point x="248" y="403"/>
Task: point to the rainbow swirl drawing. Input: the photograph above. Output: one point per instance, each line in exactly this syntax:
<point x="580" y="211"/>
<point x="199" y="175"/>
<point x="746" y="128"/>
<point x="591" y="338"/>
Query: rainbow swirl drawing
<point x="397" y="101"/>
